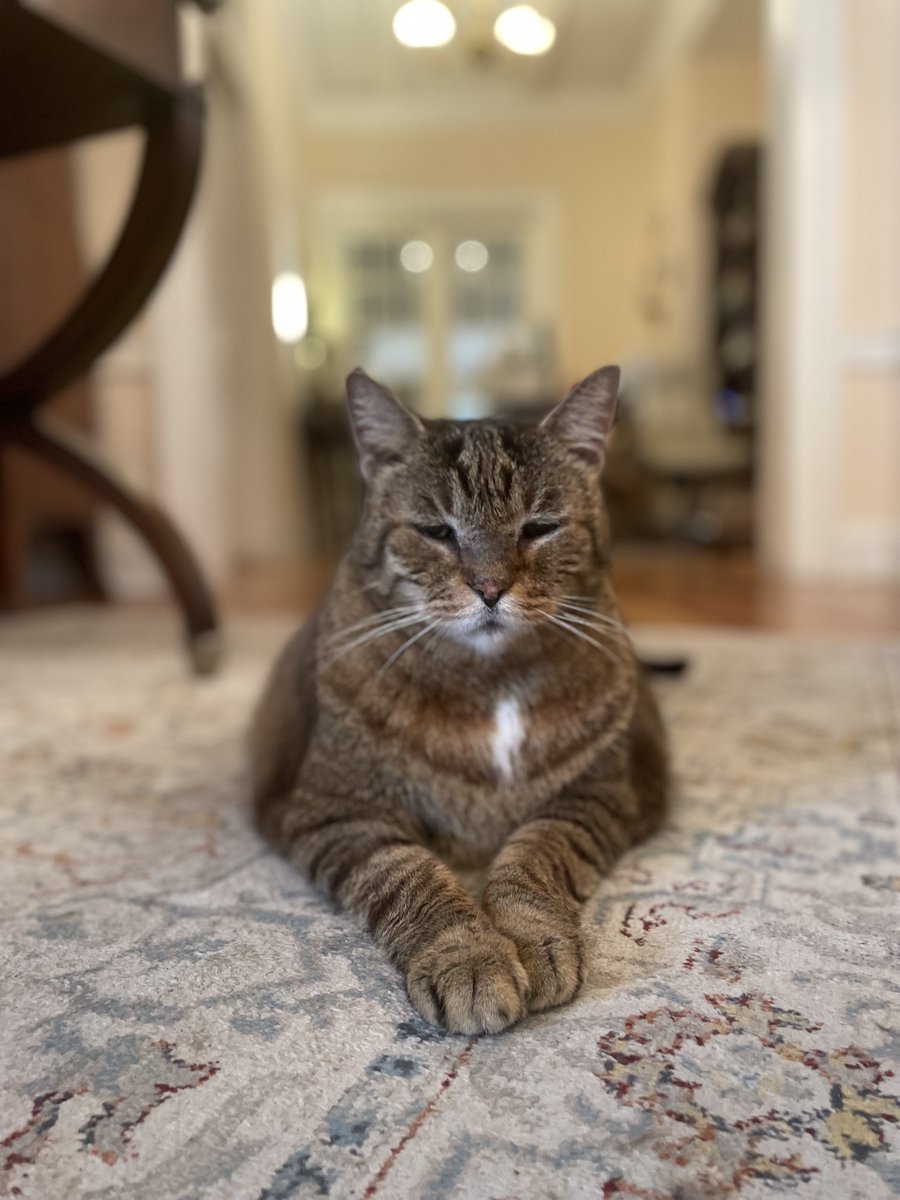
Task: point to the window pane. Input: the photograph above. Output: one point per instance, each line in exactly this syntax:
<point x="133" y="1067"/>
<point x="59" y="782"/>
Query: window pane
<point x="488" y="326"/>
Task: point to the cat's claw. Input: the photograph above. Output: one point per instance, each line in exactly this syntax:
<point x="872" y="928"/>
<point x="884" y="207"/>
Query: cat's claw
<point x="469" y="982"/>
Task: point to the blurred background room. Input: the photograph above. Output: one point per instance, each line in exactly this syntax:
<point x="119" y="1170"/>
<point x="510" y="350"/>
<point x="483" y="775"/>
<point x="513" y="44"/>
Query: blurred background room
<point x="480" y="204"/>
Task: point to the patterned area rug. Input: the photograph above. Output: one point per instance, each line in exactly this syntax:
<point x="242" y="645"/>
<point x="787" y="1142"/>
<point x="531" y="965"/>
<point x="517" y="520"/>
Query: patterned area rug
<point x="184" y="1018"/>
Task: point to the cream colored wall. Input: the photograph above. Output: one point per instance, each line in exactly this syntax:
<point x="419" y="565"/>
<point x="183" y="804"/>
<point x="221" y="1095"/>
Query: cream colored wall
<point x="871" y="295"/>
<point x="253" y="186"/>
<point x="197" y="403"/>
<point x="592" y="174"/>
<point x="868" y="483"/>
<point x="123" y="383"/>
<point x="609" y="183"/>
<point x="708" y="102"/>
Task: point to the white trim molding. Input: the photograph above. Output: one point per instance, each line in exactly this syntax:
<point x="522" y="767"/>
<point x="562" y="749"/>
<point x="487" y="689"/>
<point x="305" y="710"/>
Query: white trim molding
<point x="803" y="273"/>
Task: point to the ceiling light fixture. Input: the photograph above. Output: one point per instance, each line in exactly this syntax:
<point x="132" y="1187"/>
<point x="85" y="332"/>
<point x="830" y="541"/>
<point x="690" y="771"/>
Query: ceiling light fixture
<point x="416" y="257"/>
<point x="523" y="30"/>
<point x="424" y="23"/>
<point x="471" y="256"/>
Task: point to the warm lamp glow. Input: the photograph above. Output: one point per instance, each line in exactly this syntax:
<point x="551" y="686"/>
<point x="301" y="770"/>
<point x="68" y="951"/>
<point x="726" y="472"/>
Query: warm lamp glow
<point x="523" y="30"/>
<point x="471" y="256"/>
<point x="416" y="257"/>
<point x="423" y="23"/>
<point x="290" y="310"/>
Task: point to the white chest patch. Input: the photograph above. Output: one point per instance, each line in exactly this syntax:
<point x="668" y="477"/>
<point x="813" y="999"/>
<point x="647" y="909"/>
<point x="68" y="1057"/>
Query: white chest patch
<point x="507" y="738"/>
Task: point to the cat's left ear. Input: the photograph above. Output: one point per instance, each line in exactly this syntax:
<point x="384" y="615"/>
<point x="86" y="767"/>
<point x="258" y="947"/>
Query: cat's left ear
<point x="383" y="429"/>
<point x="584" y="419"/>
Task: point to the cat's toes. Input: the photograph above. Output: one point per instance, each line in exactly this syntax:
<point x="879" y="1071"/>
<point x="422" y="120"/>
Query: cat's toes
<point x="555" y="966"/>
<point x="469" y="982"/>
<point x="552" y="953"/>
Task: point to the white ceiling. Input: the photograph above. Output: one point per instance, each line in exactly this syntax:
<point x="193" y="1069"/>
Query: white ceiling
<point x="348" y="68"/>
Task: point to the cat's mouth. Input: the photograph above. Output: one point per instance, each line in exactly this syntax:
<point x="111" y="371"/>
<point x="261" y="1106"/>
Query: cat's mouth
<point x="491" y="620"/>
<point x="484" y="629"/>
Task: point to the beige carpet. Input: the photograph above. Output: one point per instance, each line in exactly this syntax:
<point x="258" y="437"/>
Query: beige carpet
<point x="183" y="1018"/>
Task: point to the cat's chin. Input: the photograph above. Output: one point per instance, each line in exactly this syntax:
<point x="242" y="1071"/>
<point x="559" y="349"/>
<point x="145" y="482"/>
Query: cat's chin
<point x="489" y="639"/>
<point x="483" y="636"/>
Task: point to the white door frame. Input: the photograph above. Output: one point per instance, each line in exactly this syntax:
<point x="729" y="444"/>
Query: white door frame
<point x="796" y="513"/>
<point x="814" y="354"/>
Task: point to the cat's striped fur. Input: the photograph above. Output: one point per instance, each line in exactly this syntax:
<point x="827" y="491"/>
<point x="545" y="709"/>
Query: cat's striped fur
<point x="467" y="695"/>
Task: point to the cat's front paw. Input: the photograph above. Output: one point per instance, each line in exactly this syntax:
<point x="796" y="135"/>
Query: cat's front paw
<point x="468" y="981"/>
<point x="551" y="951"/>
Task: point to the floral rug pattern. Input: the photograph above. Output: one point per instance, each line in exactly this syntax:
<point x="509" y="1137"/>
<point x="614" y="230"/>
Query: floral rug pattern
<point x="183" y="1018"/>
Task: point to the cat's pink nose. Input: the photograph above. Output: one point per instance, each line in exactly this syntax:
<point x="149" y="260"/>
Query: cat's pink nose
<point x="490" y="590"/>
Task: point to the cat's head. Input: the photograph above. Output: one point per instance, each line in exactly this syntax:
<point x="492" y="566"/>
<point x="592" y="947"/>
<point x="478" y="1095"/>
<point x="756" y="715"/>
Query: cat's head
<point x="489" y="526"/>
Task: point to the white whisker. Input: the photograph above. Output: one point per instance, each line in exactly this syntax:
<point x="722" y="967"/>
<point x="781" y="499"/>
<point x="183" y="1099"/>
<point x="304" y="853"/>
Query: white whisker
<point x="589" y="616"/>
<point x="568" y="602"/>
<point x="374" y="619"/>
<point x="380" y="631"/>
<point x="591" y="610"/>
<point x="406" y="645"/>
<point x="579" y="616"/>
<point x="558" y="627"/>
<point x="563" y="624"/>
<point x="603" y="631"/>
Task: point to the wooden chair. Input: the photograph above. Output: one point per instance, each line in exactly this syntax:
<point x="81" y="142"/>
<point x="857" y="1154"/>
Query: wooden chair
<point x="71" y="69"/>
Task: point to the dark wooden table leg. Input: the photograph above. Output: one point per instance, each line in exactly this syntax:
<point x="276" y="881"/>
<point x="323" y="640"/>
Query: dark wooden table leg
<point x="148" y="237"/>
<point x="74" y="455"/>
<point x="154" y="223"/>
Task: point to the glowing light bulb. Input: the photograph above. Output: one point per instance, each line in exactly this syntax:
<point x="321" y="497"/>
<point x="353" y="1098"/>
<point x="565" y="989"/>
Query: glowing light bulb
<point x="290" y="309"/>
<point x="424" y="23"/>
<point x="416" y="257"/>
<point x="523" y="30"/>
<point x="471" y="256"/>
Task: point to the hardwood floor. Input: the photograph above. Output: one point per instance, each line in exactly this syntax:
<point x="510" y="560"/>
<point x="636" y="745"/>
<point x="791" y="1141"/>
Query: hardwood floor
<point x="715" y="588"/>
<point x="658" y="587"/>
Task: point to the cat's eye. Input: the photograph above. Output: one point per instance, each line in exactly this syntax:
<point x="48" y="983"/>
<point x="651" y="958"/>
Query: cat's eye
<point x="538" y="529"/>
<point x="437" y="533"/>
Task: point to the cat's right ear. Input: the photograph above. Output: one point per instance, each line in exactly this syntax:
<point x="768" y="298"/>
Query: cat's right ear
<point x="583" y="420"/>
<point x="383" y="429"/>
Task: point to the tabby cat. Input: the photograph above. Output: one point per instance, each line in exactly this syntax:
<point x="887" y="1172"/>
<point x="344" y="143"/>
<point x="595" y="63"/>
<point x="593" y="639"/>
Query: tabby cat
<point x="467" y="695"/>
